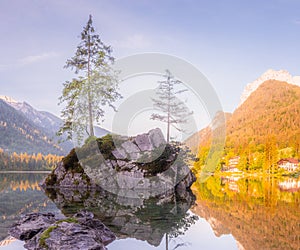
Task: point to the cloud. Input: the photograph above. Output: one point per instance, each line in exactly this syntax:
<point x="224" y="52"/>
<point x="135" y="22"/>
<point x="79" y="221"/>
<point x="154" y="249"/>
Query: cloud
<point x="36" y="58"/>
<point x="27" y="60"/>
<point x="136" y="41"/>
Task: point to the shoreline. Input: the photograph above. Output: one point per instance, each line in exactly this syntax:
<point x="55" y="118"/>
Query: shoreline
<point x="25" y="172"/>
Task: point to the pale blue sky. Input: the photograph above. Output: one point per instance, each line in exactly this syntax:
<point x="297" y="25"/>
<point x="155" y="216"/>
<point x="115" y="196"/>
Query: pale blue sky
<point x="232" y="42"/>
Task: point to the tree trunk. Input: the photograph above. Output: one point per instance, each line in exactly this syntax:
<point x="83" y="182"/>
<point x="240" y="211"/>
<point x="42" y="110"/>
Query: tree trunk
<point x="91" y="125"/>
<point x="168" y="125"/>
<point x="167" y="242"/>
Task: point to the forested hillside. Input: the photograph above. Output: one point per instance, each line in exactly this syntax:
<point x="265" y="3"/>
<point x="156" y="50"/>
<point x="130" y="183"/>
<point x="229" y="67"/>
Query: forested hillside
<point x="19" y="134"/>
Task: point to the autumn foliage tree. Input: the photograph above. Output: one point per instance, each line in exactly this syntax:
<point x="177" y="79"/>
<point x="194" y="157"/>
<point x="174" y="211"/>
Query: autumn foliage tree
<point x="271" y="154"/>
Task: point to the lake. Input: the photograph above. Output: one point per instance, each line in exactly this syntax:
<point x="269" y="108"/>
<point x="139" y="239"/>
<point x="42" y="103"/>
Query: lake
<point x="222" y="213"/>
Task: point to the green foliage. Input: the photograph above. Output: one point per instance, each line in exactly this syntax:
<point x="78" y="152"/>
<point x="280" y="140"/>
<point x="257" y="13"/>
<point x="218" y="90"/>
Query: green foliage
<point x="159" y="164"/>
<point x="165" y="157"/>
<point x="45" y="235"/>
<point x="106" y="145"/>
<point x="71" y="162"/>
<point x="213" y="162"/>
<point x="90" y="139"/>
<point x="68" y="220"/>
<point x="51" y="180"/>
<point x="95" y="86"/>
<point x="288" y="152"/>
<point x="202" y="156"/>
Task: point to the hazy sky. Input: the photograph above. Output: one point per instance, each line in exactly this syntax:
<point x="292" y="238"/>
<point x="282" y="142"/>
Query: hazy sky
<point x="232" y="42"/>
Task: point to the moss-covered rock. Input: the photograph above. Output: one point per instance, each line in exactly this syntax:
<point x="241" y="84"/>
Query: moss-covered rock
<point x="81" y="230"/>
<point x="123" y="163"/>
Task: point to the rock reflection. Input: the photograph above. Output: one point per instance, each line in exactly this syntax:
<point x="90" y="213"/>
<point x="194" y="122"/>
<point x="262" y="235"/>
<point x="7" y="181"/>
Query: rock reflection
<point x="143" y="219"/>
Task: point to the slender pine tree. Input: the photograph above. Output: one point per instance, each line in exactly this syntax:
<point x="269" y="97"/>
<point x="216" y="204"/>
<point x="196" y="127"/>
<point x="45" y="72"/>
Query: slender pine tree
<point x="171" y="110"/>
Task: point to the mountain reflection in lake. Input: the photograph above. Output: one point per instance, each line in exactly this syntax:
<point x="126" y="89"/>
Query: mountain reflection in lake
<point x="260" y="213"/>
<point x="20" y="194"/>
<point x="233" y="213"/>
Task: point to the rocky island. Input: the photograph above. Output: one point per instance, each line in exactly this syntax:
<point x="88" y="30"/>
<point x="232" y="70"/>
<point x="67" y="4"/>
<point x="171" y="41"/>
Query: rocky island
<point x="112" y="171"/>
<point x="144" y="163"/>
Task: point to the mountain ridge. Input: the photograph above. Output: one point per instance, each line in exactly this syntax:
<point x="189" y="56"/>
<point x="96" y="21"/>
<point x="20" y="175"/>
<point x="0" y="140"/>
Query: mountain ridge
<point x="19" y="134"/>
<point x="279" y="75"/>
<point x="272" y="110"/>
<point x="43" y="121"/>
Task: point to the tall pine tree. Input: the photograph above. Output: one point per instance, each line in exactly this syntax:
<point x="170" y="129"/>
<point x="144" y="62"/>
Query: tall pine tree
<point x="171" y="110"/>
<point x="94" y="87"/>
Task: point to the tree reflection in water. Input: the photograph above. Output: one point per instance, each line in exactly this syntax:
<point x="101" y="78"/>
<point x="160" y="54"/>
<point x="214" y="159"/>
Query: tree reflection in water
<point x="261" y="213"/>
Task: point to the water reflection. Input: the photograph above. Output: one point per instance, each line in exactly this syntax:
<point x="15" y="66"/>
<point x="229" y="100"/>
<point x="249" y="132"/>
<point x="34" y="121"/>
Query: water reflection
<point x="261" y="213"/>
<point x="290" y="185"/>
<point x="20" y="194"/>
<point x="148" y="220"/>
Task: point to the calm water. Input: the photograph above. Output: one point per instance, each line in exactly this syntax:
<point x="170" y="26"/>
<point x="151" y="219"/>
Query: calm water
<point x="223" y="213"/>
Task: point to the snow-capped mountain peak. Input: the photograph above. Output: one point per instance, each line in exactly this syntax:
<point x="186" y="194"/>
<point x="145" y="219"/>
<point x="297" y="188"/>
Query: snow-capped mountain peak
<point x="7" y="99"/>
<point x="43" y="119"/>
<point x="279" y="75"/>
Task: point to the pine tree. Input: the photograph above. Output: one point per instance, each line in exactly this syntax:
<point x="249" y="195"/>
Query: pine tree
<point x="172" y="110"/>
<point x="94" y="87"/>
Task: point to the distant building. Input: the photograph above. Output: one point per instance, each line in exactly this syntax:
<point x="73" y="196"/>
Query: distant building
<point x="290" y="185"/>
<point x="289" y="164"/>
<point x="232" y="165"/>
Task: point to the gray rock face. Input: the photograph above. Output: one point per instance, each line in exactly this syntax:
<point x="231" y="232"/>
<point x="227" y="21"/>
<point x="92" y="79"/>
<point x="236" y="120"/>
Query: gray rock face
<point x="130" y="147"/>
<point x="142" y="165"/>
<point x="184" y="184"/>
<point x="156" y="137"/>
<point x="32" y="224"/>
<point x="141" y="145"/>
<point x="62" y="178"/>
<point x="119" y="153"/>
<point x="80" y="232"/>
<point x="143" y="142"/>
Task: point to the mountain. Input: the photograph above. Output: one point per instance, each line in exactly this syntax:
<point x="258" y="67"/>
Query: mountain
<point x="280" y="75"/>
<point x="19" y="134"/>
<point x="43" y="119"/>
<point x="203" y="137"/>
<point x="35" y="125"/>
<point x="272" y="109"/>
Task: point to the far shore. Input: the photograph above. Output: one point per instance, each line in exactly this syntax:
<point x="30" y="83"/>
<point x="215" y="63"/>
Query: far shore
<point x="25" y="172"/>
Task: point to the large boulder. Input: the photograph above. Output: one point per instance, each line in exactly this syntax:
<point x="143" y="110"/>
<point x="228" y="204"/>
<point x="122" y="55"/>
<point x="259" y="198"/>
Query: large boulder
<point x="45" y="231"/>
<point x="32" y="224"/>
<point x="144" y="162"/>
